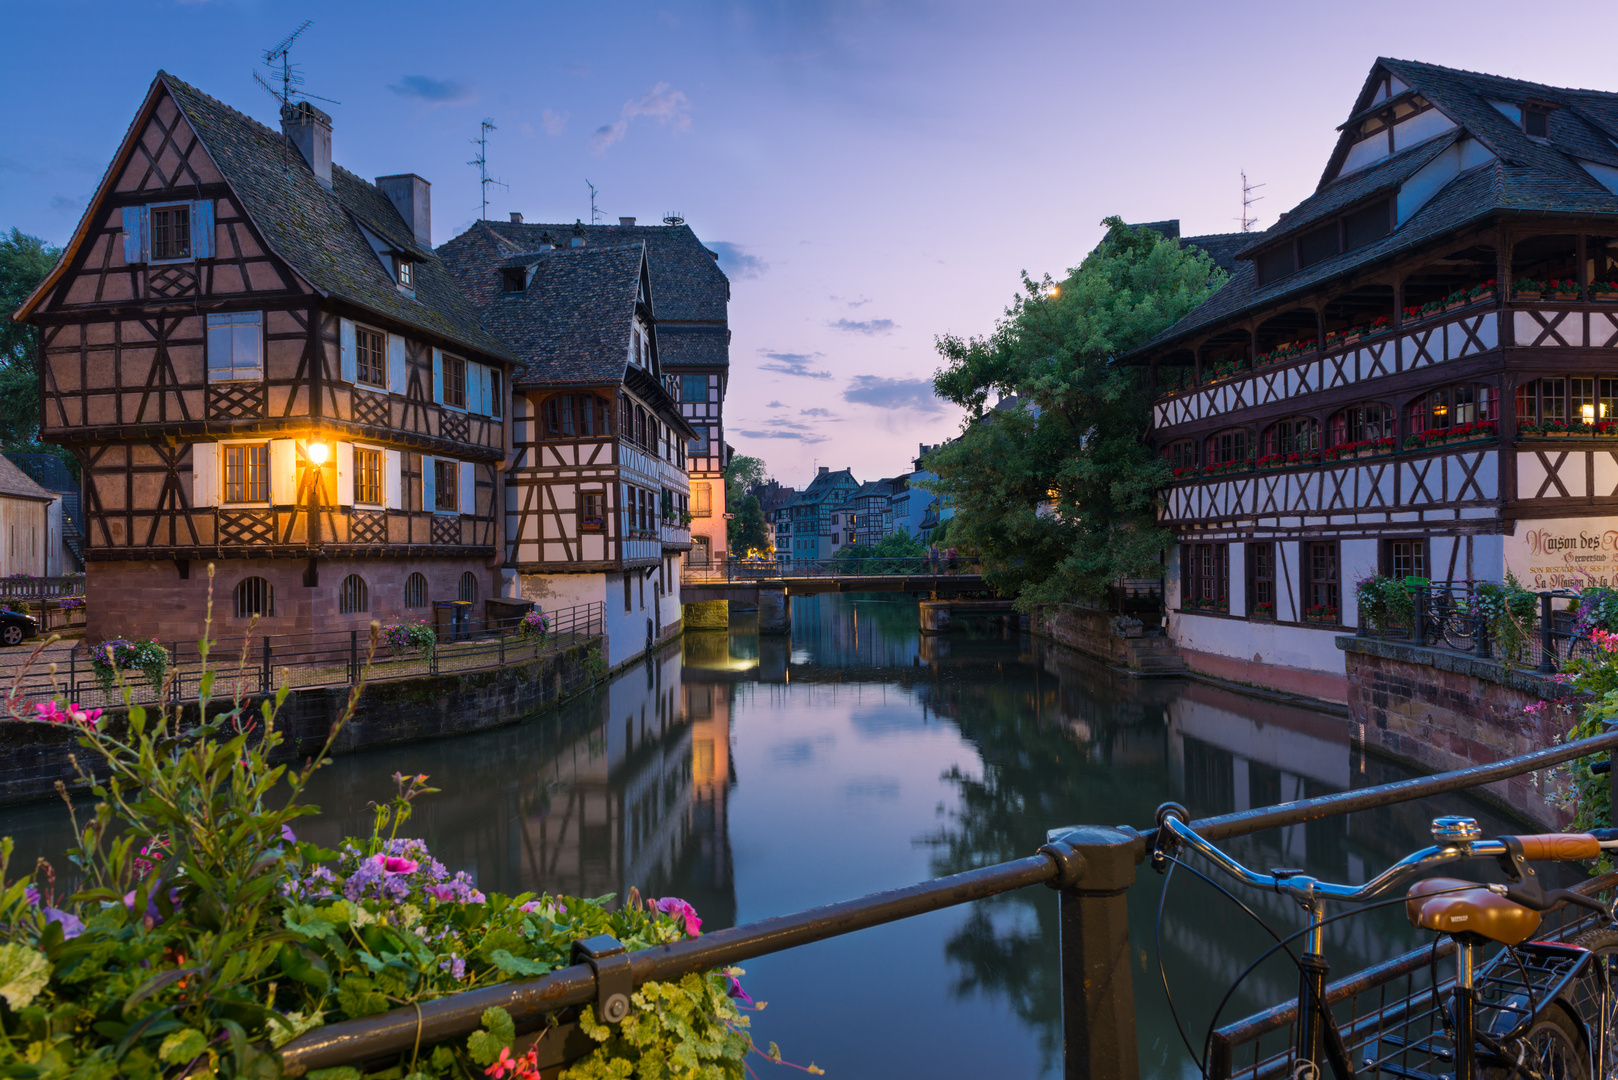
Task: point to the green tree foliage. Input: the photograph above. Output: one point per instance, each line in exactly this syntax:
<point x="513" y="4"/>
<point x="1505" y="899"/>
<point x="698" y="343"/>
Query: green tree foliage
<point x="1057" y="491"/>
<point x="745" y="529"/>
<point x="24" y="262"/>
<point x="894" y="547"/>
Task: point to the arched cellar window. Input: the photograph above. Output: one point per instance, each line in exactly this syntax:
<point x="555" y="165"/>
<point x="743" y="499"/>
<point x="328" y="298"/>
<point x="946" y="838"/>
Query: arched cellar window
<point x="354" y="597"/>
<point x="255" y="596"/>
<point x="415" y="591"/>
<point x="1360" y="423"/>
<point x="1453" y="406"/>
<point x="1299" y="435"/>
<point x="575" y="416"/>
<point x="1230" y="446"/>
<point x="469" y="586"/>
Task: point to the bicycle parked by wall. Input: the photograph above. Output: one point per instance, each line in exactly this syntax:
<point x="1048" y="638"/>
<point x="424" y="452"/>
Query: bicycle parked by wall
<point x="1539" y="1010"/>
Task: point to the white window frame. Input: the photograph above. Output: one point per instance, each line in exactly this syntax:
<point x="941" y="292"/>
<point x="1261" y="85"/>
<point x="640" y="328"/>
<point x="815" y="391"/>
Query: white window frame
<point x="235" y="372"/>
<point x="382" y="464"/>
<point x="221" y="472"/>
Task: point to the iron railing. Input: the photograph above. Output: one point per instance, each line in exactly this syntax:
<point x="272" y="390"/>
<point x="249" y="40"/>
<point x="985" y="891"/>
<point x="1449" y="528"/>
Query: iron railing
<point x="920" y="566"/>
<point x="1092" y="868"/>
<point x="1448" y="615"/>
<point x="39" y="588"/>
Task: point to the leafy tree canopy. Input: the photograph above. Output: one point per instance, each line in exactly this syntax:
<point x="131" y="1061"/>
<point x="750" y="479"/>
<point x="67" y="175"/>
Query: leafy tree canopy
<point x="895" y="545"/>
<point x="745" y="529"/>
<point x="24" y="262"/>
<point x="1056" y="489"/>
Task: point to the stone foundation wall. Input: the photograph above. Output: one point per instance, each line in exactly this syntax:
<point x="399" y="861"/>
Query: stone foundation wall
<point x="1440" y="710"/>
<point x="1084" y="629"/>
<point x="706" y="615"/>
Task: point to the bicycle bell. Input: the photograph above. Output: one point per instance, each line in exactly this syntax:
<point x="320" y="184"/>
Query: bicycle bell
<point x="1452" y="830"/>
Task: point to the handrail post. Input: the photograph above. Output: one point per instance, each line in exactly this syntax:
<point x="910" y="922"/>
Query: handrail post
<point x="1096" y="866"/>
<point x="1547" y="643"/>
<point x="264" y="672"/>
<point x="1419" y="619"/>
<point x="353" y="657"/>
<point x="1480" y="635"/>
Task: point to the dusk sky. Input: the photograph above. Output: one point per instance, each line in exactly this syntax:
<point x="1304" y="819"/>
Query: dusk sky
<point x="874" y="174"/>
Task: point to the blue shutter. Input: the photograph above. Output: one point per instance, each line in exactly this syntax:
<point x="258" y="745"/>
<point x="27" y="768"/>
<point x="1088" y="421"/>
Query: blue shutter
<point x="347" y="364"/>
<point x="428" y="498"/>
<point x="134" y="234"/>
<point x="438" y="376"/>
<point x="202" y="229"/>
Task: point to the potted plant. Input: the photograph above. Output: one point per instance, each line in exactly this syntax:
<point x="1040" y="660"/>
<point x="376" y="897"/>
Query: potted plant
<point x="1321" y="613"/>
<point x="1563" y="288"/>
<point x="1527" y="289"/>
<point x="1264" y="609"/>
<point x="1412" y="314"/>
<point x="1478" y="293"/>
<point x="1603" y="292"/>
<point x="1379" y="325"/>
<point x="1456" y="299"/>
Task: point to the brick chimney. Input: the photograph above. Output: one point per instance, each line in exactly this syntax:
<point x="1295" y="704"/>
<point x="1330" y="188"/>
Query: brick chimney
<point x="516" y="217"/>
<point x="309" y="129"/>
<point x="413" y="198"/>
<point x="626" y="221"/>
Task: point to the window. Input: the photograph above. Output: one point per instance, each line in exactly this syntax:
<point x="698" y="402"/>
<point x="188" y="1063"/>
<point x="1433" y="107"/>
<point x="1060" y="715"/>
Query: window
<point x="1181" y="454"/>
<point x="404" y="270"/>
<point x="1321" y="599"/>
<point x="469" y="587"/>
<point x="1360" y="423"/>
<point x="1261" y="580"/>
<point x="171" y="232"/>
<point x="1300" y="435"/>
<point x="446" y="485"/>
<point x="1404" y="558"/>
<point x="693" y="388"/>
<point x="629" y="592"/>
<point x="1536" y="121"/>
<point x="455" y="382"/>
<point x="1205" y="577"/>
<point x="247" y="473"/>
<point x="593" y="511"/>
<point x="640" y="427"/>
<point x="514" y="279"/>
<point x="254" y="596"/>
<point x="701" y="500"/>
<point x="1229" y="447"/>
<point x="1452" y="406"/>
<point x="1317" y="246"/>
<point x="699" y="445"/>
<point x="370" y="357"/>
<point x="367" y="476"/>
<point x="1276" y="263"/>
<point x="235" y="345"/>
<point x="1363" y="226"/>
<point x="497" y="397"/>
<point x="353" y="598"/>
<point x="415" y="591"/>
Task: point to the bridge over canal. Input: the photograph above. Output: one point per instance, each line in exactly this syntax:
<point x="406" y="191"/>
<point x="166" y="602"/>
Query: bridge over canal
<point x="745" y="581"/>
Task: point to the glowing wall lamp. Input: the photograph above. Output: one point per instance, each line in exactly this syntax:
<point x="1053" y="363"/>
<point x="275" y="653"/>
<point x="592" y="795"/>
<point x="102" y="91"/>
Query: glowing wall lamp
<point x="316" y="452"/>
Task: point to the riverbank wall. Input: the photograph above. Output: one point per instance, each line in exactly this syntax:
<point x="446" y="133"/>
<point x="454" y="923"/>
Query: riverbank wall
<point x="34" y="758"/>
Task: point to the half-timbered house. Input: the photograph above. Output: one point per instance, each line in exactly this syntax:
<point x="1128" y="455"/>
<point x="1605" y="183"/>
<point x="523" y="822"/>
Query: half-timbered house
<point x="596" y="498"/>
<point x="260" y="362"/>
<point x="1414" y="372"/>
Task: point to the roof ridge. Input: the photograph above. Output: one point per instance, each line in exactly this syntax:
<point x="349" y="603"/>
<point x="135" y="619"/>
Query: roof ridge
<point x="1426" y="64"/>
<point x="268" y="130"/>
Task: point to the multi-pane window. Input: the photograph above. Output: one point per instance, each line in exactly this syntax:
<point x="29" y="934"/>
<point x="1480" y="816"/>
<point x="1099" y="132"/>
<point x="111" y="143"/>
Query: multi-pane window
<point x="701" y="500"/>
<point x="254" y="596"/>
<point x="593" y="511"/>
<point x="699" y="445"/>
<point x="353" y="597"/>
<point x="693" y="388"/>
<point x="497" y="397"/>
<point x="405" y="270"/>
<point x="570" y="416"/>
<point x="1406" y="558"/>
<point x="1228" y="446"/>
<point x="1298" y="435"/>
<point x="1181" y="454"/>
<point x="370" y="357"/>
<point x="455" y="382"/>
<point x="1361" y="423"/>
<point x="415" y="591"/>
<point x="446" y="485"/>
<point x="367" y="476"/>
<point x="1261" y="579"/>
<point x="247" y="472"/>
<point x="235" y="345"/>
<point x="1322" y="597"/>
<point x="171" y="232"/>
<point x="1452" y="406"/>
<point x="1205" y="574"/>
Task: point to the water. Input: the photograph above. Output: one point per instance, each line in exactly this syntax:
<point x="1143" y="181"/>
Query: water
<point x="755" y="776"/>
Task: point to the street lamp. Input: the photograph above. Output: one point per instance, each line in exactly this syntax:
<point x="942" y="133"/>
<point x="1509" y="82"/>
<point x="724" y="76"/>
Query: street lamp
<point x="317" y="452"/>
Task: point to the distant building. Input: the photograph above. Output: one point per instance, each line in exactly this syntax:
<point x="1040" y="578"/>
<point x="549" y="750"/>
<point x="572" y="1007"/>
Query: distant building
<point x="66" y="523"/>
<point x="865" y="517"/>
<point x="28" y="544"/>
<point x="772" y="497"/>
<point x="916" y="510"/>
<point x="811" y="513"/>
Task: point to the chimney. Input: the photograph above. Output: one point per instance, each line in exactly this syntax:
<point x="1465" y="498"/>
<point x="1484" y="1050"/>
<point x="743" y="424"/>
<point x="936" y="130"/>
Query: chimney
<point x="546" y="241"/>
<point x="516" y="217"/>
<point x="309" y="129"/>
<point x="578" y="234"/>
<point x="824" y="469"/>
<point x="626" y="221"/>
<point x="412" y="197"/>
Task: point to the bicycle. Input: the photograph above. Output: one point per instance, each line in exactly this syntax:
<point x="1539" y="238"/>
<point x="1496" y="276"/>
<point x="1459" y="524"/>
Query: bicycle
<point x="1558" y="1022"/>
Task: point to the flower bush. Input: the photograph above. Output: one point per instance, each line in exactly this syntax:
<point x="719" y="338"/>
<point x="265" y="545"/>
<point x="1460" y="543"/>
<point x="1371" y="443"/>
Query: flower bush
<point x="1512" y="613"/>
<point x="111" y="658"/>
<point x="1383" y="600"/>
<point x="1264" y="609"/>
<point x="535" y="624"/>
<point x="409" y="637"/>
<point x="70" y="603"/>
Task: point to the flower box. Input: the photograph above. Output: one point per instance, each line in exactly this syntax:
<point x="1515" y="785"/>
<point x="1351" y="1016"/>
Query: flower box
<point x="1567" y="297"/>
<point x="1526" y="294"/>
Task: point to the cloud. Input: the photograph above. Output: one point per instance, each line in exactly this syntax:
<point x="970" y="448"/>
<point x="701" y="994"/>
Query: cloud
<point x="801" y="436"/>
<point x="892" y="393"/>
<point x="868" y="327"/>
<point x="775" y="405"/>
<point x="577" y="67"/>
<point x="63" y="204"/>
<point x="736" y="263"/>
<point x="815" y="412"/>
<point x="667" y="106"/>
<point x="434" y="91"/>
<point x="554" y="122"/>
<point x="789" y="363"/>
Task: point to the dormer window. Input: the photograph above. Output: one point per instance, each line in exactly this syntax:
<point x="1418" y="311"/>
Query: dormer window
<point x="1536" y="121"/>
<point x="515" y="279"/>
<point x="404" y="271"/>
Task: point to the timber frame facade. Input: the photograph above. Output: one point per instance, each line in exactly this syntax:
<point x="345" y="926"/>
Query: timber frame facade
<point x="1414" y="373"/>
<point x="259" y="362"/>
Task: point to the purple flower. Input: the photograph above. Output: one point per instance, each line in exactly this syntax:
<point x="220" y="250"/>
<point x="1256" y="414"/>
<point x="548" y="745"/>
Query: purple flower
<point x="735" y="990"/>
<point x="72" y="925"/>
<point x="679" y="910"/>
<point x="288" y="835"/>
<point x="455" y="966"/>
<point x="32" y="894"/>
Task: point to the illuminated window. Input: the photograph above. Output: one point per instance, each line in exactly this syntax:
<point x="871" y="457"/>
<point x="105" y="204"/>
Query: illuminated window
<point x="368" y="476"/>
<point x="247" y="473"/>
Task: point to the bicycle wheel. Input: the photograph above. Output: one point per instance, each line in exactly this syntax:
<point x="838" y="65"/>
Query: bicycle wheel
<point x="1457" y="631"/>
<point x="1601" y="1015"/>
<point x="1552" y="1049"/>
<point x="1578" y="648"/>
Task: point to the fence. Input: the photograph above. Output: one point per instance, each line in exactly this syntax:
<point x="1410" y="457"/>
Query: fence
<point x="40" y="588"/>
<point x="260" y="664"/>
<point x="1453" y="615"/>
<point x="1091" y="867"/>
<point x="906" y="566"/>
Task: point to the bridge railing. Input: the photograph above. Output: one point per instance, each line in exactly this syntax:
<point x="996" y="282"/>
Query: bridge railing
<point x="743" y="570"/>
<point x="1092" y="867"/>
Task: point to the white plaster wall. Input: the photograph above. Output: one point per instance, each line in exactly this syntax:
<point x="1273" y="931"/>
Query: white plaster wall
<point x="1260" y="641"/>
<point x="626" y="630"/>
<point x="1269" y="744"/>
<point x="1171" y="579"/>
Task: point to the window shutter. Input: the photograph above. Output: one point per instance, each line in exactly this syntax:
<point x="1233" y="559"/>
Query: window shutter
<point x="204" y="474"/>
<point x="348" y="366"/>
<point x="345" y="474"/>
<point x="283" y="472"/>
<point x="484" y="404"/>
<point x="134" y="234"/>
<point x="393" y="480"/>
<point x="398" y="376"/>
<point x="428" y="482"/>
<point x="202" y="229"/>
<point x="438" y="376"/>
<point x="469" y="490"/>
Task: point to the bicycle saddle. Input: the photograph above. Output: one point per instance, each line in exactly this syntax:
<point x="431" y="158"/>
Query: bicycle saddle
<point x="1453" y="906"/>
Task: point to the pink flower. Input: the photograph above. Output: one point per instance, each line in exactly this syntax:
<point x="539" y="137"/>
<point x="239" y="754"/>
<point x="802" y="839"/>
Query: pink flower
<point x="1536" y="708"/>
<point x="82" y="716"/>
<point x="678" y="909"/>
<point x="735" y="990"/>
<point x="442" y="893"/>
<point x="503" y="1064"/>
<point x="394" y="864"/>
<point x="50" y="712"/>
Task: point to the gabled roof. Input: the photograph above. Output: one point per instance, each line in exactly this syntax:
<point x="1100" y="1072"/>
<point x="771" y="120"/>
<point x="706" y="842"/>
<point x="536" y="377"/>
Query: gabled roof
<point x="824" y="485"/>
<point x="18" y="484"/>
<point x="313" y="230"/>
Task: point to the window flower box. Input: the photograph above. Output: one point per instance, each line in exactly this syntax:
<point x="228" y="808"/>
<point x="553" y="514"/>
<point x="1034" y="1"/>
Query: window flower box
<point x="1380" y="325"/>
<point x="1265" y="610"/>
<point x="1323" y="614"/>
<point x="1603" y="292"/>
<point x="1527" y="289"/>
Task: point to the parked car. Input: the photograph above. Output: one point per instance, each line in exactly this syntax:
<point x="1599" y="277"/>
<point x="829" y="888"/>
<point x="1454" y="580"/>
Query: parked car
<point x="16" y="628"/>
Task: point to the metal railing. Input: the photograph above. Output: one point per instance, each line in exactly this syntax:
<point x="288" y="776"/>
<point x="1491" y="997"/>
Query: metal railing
<point x="39" y="588"/>
<point x="1091" y="867"/>
<point x="1448" y="615"/>
<point x="764" y="570"/>
<point x="259" y="664"/>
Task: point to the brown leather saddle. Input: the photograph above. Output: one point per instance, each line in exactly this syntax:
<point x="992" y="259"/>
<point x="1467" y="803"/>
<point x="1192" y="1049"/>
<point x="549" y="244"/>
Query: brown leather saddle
<point x="1453" y="906"/>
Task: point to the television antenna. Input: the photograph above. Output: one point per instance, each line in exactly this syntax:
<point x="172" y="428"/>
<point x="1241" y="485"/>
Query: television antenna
<point x="1248" y="199"/>
<point x="291" y="78"/>
<point x="595" y="215"/>
<point x="482" y="162"/>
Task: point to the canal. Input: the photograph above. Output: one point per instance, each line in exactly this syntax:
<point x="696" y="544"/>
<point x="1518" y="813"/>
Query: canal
<point x="754" y="776"/>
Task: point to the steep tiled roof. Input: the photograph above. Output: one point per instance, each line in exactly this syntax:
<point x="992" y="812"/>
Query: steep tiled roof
<point x="572" y="324"/>
<point x="313" y="229"/>
<point x="18" y="484"/>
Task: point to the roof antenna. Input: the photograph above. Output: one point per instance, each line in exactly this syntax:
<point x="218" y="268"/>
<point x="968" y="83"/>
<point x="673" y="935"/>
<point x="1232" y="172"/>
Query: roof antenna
<point x="595" y="215"/>
<point x="1248" y="199"/>
<point x="674" y="218"/>
<point x="291" y="77"/>
<point x="482" y="162"/>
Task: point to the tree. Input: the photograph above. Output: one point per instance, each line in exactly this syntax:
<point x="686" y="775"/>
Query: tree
<point x="894" y="546"/>
<point x="24" y="262"/>
<point x="1057" y="488"/>
<point x="745" y="529"/>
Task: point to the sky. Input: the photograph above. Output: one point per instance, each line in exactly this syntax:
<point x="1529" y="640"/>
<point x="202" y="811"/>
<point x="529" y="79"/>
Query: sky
<point x="873" y="173"/>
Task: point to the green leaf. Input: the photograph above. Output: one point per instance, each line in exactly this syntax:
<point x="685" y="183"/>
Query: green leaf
<point x="516" y="965"/>
<point x="341" y="1072"/>
<point x="357" y="996"/>
<point x="182" y="1046"/>
<point x="306" y="967"/>
<point x="499" y="1024"/>
<point x="313" y="928"/>
<point x="23" y="974"/>
<point x="484" y="1047"/>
